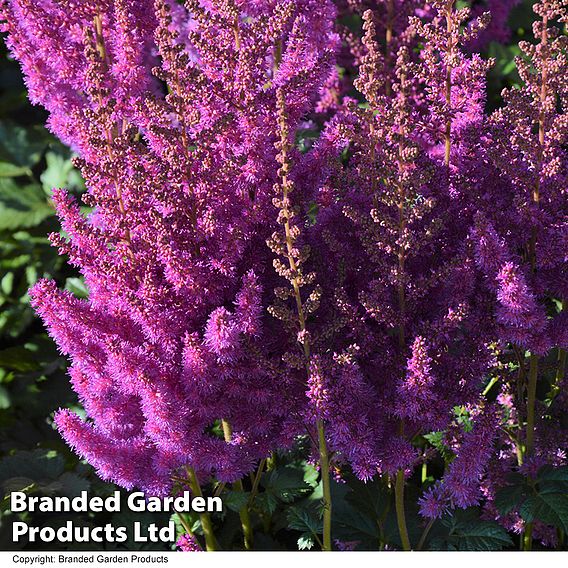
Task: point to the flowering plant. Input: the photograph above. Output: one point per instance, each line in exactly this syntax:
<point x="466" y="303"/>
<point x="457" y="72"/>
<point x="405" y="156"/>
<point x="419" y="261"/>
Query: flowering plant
<point x="307" y="234"/>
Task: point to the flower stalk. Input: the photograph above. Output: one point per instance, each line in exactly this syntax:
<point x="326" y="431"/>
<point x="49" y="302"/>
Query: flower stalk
<point x="244" y="513"/>
<point x="206" y="523"/>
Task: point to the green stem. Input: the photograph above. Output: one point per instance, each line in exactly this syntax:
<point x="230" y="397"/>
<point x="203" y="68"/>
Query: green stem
<point x="326" y="483"/>
<point x="206" y="524"/>
<point x="244" y="515"/>
<point x="529" y="442"/>
<point x="425" y="534"/>
<point x="527" y="537"/>
<point x="400" y="515"/>
<point x="561" y="369"/>
<point x="533" y="368"/>
<point x="561" y="365"/>
<point x="296" y="282"/>
<point x="185" y="524"/>
<point x="256" y="481"/>
<point x="531" y="404"/>
<point x="491" y="384"/>
<point x="245" y="519"/>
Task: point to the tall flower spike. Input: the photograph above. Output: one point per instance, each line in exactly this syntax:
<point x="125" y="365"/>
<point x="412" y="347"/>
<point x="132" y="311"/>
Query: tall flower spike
<point x="173" y="336"/>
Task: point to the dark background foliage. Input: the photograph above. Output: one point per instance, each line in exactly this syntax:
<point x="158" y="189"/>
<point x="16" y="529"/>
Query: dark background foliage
<point x="33" y="382"/>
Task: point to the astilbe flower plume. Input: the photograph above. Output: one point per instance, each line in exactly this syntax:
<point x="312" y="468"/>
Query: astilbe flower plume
<point x="408" y="311"/>
<point x="521" y="250"/>
<point x="173" y="335"/>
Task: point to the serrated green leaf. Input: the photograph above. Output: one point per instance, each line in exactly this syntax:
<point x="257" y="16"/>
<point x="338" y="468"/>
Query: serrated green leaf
<point x="72" y="484"/>
<point x="305" y="519"/>
<point x="236" y="500"/>
<point x="352" y="525"/>
<point x="286" y="484"/>
<point x="306" y="542"/>
<point x="437" y="439"/>
<point x="266" y="502"/>
<point x="311" y="475"/>
<point x="550" y="508"/>
<point x="466" y="532"/>
<point x="510" y="497"/>
<point x="370" y="497"/>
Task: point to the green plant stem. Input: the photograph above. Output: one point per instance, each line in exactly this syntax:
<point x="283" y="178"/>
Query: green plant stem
<point x="561" y="371"/>
<point x="185" y="525"/>
<point x="400" y="515"/>
<point x="206" y="524"/>
<point x="425" y="533"/>
<point x="326" y="483"/>
<point x="531" y="404"/>
<point x="491" y="384"/>
<point x="527" y="537"/>
<point x="448" y="86"/>
<point x="529" y="442"/>
<point x="295" y="280"/>
<point x="424" y="475"/>
<point x="244" y="514"/>
<point x="256" y="481"/>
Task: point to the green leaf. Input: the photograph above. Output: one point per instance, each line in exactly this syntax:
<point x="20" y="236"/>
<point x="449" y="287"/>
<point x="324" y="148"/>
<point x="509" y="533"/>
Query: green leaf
<point x="12" y="170"/>
<point x="463" y="418"/>
<point x="266" y="502"/>
<point x="39" y="465"/>
<point x="18" y="359"/>
<point x="549" y="473"/>
<point x="304" y="519"/>
<point x="7" y="283"/>
<point x="60" y="173"/>
<point x="311" y="475"/>
<point x="550" y="508"/>
<point x="77" y="287"/>
<point x="352" y="518"/>
<point x="306" y="542"/>
<point x="72" y="484"/>
<point x="5" y="401"/>
<point x="285" y="484"/>
<point x="466" y="532"/>
<point x="352" y="525"/>
<point x="510" y="497"/>
<point x="22" y="207"/>
<point x="371" y="497"/>
<point x="236" y="500"/>
<point x="21" y="146"/>
<point x="437" y="439"/>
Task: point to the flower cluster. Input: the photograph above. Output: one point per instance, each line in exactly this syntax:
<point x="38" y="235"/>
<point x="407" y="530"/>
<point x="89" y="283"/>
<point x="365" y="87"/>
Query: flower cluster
<point x="406" y="268"/>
